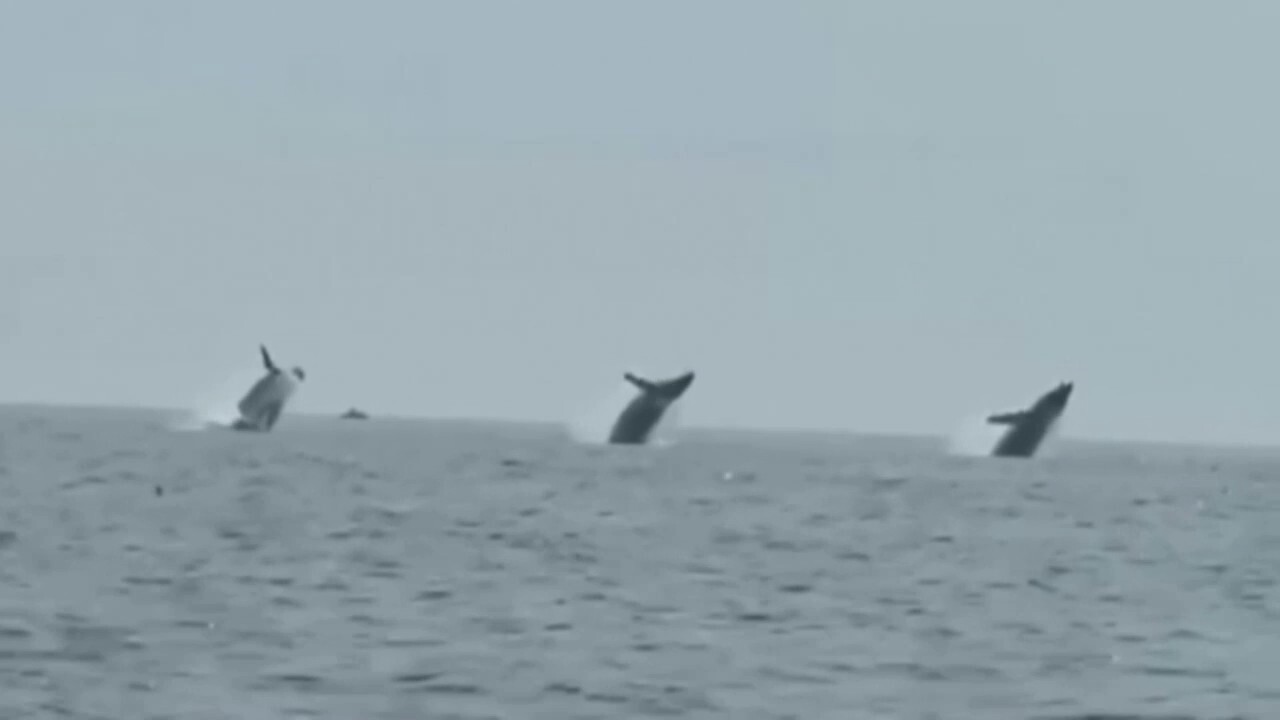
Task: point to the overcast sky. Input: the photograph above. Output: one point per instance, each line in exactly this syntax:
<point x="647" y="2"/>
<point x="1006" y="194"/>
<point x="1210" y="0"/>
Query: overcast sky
<point x="870" y="216"/>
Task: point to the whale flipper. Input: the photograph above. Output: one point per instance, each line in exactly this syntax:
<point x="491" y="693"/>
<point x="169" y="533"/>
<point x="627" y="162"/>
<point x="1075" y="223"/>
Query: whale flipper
<point x="647" y="386"/>
<point x="266" y="360"/>
<point x="1011" y="418"/>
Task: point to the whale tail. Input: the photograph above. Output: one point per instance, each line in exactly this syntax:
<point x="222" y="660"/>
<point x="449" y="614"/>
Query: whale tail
<point x="668" y="389"/>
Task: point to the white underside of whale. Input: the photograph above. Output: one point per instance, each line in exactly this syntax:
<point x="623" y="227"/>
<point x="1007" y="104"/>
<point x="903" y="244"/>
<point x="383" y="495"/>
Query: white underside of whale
<point x="262" y="406"/>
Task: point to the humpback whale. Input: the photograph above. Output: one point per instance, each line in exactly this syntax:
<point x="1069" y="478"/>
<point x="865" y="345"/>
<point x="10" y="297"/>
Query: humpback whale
<point x="261" y="407"/>
<point x="1027" y="428"/>
<point x="642" y="414"/>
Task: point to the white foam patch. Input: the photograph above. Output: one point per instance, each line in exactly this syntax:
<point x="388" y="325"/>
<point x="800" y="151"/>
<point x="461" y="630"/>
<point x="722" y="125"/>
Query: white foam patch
<point x="667" y="431"/>
<point x="216" y="406"/>
<point x="592" y="424"/>
<point x="1049" y="446"/>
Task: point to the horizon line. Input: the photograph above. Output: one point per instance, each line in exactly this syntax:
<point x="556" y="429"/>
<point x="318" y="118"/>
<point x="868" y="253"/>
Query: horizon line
<point x="760" y="429"/>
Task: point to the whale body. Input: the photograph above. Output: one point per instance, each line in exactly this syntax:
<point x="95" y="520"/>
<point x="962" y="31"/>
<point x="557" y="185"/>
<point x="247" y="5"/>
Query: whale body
<point x="636" y="422"/>
<point x="1027" y="428"/>
<point x="261" y="407"/>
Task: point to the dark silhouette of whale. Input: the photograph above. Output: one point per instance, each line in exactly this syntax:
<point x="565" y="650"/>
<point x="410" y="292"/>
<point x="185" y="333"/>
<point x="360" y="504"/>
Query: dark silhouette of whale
<point x="643" y="413"/>
<point x="261" y="407"/>
<point x="1027" y="428"/>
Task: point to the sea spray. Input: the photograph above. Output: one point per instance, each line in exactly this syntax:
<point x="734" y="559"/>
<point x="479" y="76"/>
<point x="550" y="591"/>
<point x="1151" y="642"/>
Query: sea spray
<point x="591" y="424"/>
<point x="215" y="407"/>
<point x="975" y="436"/>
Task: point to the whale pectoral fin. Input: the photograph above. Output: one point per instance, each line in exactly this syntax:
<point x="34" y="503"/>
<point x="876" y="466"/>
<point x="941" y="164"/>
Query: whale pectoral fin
<point x="1007" y="418"/>
<point x="266" y="359"/>
<point x="644" y="385"/>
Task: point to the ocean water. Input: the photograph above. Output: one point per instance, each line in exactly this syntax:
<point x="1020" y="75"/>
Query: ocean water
<point x="416" y="569"/>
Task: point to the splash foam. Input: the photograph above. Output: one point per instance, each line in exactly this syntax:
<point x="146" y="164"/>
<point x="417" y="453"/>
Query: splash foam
<point x="216" y="407"/>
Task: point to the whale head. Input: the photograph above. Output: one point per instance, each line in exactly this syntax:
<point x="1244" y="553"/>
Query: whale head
<point x="671" y="390"/>
<point x="1055" y="401"/>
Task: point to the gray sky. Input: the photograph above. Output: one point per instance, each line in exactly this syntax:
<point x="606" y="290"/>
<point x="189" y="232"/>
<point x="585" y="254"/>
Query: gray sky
<point x="870" y="216"/>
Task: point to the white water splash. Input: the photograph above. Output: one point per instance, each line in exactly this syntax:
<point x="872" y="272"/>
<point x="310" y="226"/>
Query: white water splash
<point x="667" y="430"/>
<point x="1049" y="446"/>
<point x="216" y="407"/>
<point x="975" y="436"/>
<point x="591" y="425"/>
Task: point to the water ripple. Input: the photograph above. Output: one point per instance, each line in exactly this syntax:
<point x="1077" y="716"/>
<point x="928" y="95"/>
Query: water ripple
<point x="459" y="571"/>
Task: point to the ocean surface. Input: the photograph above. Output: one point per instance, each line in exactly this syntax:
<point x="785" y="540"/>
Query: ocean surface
<point x="447" y="570"/>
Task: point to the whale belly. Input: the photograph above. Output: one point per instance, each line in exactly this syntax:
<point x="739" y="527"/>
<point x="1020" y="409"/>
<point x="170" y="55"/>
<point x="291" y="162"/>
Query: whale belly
<point x="1023" y="440"/>
<point x="261" y="407"/>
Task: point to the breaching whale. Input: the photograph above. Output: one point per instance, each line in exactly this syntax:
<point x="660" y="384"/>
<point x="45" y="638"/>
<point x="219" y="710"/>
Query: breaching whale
<point x="261" y="407"/>
<point x="642" y="414"/>
<point x="1027" y="428"/>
